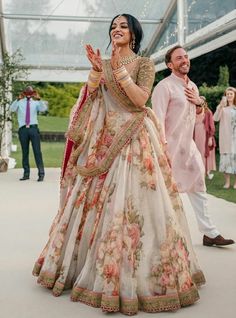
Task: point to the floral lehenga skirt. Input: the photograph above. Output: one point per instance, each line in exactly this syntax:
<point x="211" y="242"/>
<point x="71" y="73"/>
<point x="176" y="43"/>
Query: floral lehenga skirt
<point x="120" y="240"/>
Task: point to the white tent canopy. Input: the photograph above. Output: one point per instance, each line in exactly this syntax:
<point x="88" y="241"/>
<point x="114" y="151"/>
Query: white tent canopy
<point x="51" y="34"/>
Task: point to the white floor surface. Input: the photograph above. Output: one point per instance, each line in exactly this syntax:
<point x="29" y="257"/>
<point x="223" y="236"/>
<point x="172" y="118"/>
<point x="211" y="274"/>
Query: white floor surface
<point x="27" y="209"/>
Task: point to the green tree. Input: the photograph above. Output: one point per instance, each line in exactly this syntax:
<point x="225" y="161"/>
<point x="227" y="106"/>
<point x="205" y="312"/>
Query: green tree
<point x="223" y="76"/>
<point x="11" y="69"/>
<point x="205" y="68"/>
<point x="60" y="97"/>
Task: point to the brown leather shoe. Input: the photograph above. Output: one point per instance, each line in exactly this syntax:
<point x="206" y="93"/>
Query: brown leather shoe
<point x="218" y="241"/>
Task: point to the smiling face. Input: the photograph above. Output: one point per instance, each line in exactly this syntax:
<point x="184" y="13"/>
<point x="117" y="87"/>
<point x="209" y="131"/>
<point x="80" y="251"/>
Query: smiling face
<point x="179" y="63"/>
<point x="120" y="32"/>
<point x="230" y="95"/>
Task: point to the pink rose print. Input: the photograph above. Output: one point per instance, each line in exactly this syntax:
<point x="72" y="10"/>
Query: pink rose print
<point x="134" y="234"/>
<point x="110" y="270"/>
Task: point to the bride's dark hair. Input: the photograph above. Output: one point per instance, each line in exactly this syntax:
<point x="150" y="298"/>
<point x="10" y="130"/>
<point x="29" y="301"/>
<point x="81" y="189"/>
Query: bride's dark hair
<point x="135" y="30"/>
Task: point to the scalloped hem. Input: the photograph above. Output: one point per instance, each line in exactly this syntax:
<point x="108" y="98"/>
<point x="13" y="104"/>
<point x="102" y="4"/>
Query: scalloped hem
<point x="151" y="304"/>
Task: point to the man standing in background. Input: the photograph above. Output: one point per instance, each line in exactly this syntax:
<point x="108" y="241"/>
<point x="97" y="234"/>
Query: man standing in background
<point x="174" y="101"/>
<point x="27" y="106"/>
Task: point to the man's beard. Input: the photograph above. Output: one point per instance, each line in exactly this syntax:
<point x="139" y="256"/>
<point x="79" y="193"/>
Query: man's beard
<point x="183" y="71"/>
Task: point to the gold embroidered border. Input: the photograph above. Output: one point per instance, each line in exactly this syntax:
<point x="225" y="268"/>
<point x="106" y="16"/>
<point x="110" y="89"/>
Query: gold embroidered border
<point x="129" y="306"/>
<point x="159" y="303"/>
<point x="150" y="304"/>
<point x="58" y="288"/>
<point x="47" y="279"/>
<point x="118" y="143"/>
<point x="75" y="116"/>
<point x="110" y="303"/>
<point x="106" y="303"/>
<point x="115" y="89"/>
<point x="86" y="296"/>
<point x="199" y="278"/>
<point x="36" y="269"/>
<point x="169" y="302"/>
<point x="78" y="127"/>
<point x="188" y="297"/>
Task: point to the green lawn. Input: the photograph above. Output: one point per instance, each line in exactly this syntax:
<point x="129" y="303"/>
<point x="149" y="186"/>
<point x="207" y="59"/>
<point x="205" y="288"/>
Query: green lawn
<point x="215" y="187"/>
<point x="53" y="153"/>
<point x="48" y="123"/>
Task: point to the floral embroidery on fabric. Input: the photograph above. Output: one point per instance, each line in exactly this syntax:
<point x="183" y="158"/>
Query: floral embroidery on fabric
<point x="171" y="269"/>
<point x="133" y="231"/>
<point x="122" y="242"/>
<point x="57" y="243"/>
<point x="141" y="156"/>
<point x="146" y="164"/>
<point x="122" y="137"/>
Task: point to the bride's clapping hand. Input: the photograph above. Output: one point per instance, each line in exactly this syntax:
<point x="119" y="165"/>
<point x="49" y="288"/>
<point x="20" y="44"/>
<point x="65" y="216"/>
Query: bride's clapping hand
<point x="94" y="58"/>
<point x="115" y="56"/>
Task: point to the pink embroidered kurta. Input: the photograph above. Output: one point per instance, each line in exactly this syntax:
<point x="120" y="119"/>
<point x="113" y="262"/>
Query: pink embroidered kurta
<point x="177" y="116"/>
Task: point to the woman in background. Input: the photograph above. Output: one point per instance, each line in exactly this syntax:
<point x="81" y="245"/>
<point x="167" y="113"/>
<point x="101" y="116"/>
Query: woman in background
<point x="204" y="132"/>
<point x="226" y="115"/>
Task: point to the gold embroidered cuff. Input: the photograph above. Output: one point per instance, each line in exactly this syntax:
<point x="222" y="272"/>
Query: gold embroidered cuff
<point x="94" y="79"/>
<point x="122" y="76"/>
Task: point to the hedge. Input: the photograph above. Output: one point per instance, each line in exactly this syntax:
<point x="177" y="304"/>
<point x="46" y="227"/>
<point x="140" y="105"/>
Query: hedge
<point x="212" y="94"/>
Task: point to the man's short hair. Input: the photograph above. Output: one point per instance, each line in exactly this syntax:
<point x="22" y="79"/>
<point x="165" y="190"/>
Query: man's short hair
<point x="170" y="51"/>
<point x="28" y="89"/>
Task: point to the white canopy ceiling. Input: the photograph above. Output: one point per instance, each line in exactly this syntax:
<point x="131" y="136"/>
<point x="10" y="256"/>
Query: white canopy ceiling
<point x="51" y="34"/>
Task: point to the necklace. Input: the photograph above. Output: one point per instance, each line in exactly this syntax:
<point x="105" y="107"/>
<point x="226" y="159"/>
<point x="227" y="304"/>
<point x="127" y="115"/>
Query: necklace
<point x="128" y="59"/>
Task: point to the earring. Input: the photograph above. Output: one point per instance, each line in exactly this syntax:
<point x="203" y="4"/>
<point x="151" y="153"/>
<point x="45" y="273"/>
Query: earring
<point x="133" y="44"/>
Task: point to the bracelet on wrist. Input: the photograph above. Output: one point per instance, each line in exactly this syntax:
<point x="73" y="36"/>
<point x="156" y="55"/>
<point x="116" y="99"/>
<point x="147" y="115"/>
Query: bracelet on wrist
<point x="94" y="78"/>
<point x="122" y="76"/>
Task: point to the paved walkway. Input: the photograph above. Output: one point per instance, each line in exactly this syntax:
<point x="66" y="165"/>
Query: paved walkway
<point x="27" y="209"/>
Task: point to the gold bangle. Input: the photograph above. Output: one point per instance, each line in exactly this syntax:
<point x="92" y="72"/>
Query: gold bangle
<point x="122" y="76"/>
<point x="94" y="78"/>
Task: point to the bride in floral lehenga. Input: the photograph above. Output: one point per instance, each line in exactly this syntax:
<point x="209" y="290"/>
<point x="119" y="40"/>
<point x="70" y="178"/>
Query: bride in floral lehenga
<point x="120" y="240"/>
